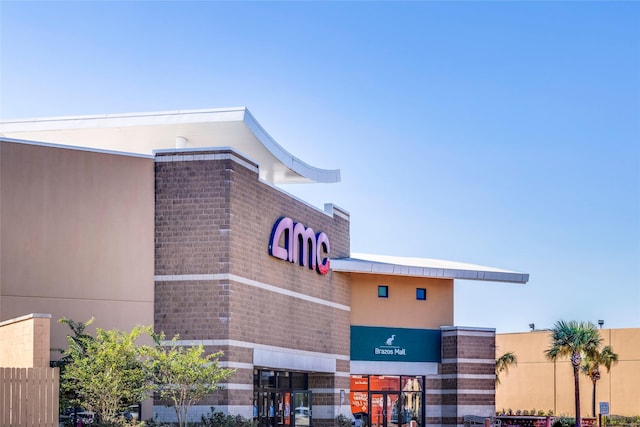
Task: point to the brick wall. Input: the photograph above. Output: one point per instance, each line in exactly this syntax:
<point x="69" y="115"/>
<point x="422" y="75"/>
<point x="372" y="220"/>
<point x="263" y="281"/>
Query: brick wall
<point x="465" y="384"/>
<point x="216" y="283"/>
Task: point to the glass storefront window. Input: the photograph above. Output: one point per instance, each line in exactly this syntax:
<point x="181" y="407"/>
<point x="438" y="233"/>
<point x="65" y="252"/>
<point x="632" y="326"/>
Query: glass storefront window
<point x="281" y="399"/>
<point x="387" y="400"/>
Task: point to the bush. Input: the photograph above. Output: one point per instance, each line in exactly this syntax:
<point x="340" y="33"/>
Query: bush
<point x="344" y="421"/>
<point x="619" y="421"/>
<point x="564" y="422"/>
<point x="218" y="419"/>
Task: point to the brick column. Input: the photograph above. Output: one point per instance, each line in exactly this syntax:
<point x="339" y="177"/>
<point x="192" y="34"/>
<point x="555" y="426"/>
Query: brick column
<point x="467" y="375"/>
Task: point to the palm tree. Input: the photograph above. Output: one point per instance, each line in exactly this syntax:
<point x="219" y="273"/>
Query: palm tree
<point x="591" y="367"/>
<point x="503" y="363"/>
<point x="574" y="339"/>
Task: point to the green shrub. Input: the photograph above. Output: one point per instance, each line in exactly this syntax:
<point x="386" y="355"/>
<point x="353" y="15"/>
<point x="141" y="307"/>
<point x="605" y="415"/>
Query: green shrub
<point x="218" y="419"/>
<point x="564" y="422"/>
<point x="344" y="421"/>
<point x="620" y="421"/>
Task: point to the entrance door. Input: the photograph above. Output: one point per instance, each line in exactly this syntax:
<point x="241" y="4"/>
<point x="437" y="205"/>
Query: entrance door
<point x="266" y="409"/>
<point x="301" y="408"/>
<point x="384" y="409"/>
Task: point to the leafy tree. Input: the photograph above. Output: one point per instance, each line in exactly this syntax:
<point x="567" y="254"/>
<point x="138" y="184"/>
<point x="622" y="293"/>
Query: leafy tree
<point x="107" y="372"/>
<point x="574" y="339"/>
<point x="77" y="340"/>
<point x="504" y="362"/>
<point x="591" y="367"/>
<point x="185" y="375"/>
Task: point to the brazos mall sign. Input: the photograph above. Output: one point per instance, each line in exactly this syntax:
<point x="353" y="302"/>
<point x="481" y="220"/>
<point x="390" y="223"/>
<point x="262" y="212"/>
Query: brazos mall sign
<point x="293" y="242"/>
<point x="395" y="344"/>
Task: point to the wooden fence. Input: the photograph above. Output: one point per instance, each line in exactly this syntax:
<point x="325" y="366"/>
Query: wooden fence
<point x="29" y="397"/>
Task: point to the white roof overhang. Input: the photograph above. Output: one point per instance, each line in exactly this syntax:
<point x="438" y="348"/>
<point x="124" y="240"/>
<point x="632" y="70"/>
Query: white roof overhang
<point x="423" y="267"/>
<point x="142" y="133"/>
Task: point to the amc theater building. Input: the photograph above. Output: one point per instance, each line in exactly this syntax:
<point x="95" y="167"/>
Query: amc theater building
<point x="176" y="219"/>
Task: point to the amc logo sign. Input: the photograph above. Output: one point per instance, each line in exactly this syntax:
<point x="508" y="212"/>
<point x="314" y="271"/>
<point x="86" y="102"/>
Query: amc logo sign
<point x="296" y="243"/>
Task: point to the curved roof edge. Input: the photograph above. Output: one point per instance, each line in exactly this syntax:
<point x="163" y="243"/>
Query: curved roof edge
<point x="171" y="124"/>
<point x="424" y="267"/>
<point x="288" y="159"/>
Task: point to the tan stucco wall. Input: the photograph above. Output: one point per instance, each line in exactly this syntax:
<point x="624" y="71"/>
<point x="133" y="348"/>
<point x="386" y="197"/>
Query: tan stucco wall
<point x="76" y="236"/>
<point x="401" y="309"/>
<point x="544" y="385"/>
<point x="25" y="341"/>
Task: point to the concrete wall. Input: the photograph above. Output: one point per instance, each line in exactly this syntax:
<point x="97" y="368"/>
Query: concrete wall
<point x="25" y="341"/>
<point x="537" y="383"/>
<point x="76" y="236"/>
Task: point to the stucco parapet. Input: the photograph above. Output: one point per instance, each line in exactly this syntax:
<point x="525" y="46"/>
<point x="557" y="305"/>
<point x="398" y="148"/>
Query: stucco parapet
<point x="26" y="317"/>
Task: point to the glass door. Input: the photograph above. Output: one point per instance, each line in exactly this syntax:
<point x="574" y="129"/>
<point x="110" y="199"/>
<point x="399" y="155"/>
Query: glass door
<point x="384" y="409"/>
<point x="301" y="408"/>
<point x="266" y="409"/>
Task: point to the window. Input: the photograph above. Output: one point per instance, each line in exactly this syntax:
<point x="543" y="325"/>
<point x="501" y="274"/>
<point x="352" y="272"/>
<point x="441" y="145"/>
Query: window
<point x="383" y="291"/>
<point x="421" y="294"/>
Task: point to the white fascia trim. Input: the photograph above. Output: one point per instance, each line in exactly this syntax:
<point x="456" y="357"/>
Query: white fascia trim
<point x="245" y="281"/>
<point x="298" y="361"/>
<point x="364" y="367"/>
<point x="288" y="159"/>
<point x="233" y="114"/>
<point x="251" y="345"/>
<point x="124" y="119"/>
<point x="364" y="266"/>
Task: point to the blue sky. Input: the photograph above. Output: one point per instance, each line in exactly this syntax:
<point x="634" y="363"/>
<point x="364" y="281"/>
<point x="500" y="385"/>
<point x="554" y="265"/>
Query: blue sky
<point x="498" y="133"/>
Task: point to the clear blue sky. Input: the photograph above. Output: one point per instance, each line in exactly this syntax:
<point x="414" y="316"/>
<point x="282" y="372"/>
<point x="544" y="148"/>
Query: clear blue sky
<point x="498" y="133"/>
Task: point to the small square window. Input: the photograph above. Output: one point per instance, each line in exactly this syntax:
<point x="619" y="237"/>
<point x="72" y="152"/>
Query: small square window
<point x="383" y="291"/>
<point x="421" y="294"/>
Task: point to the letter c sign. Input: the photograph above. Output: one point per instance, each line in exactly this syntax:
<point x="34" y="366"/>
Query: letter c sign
<point x="300" y="245"/>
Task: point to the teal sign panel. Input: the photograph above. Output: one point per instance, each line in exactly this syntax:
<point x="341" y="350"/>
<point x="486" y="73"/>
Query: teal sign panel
<point x="395" y="344"/>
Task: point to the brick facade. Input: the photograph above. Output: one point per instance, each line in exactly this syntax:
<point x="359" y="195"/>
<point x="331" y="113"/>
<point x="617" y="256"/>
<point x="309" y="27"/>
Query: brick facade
<point x="465" y="384"/>
<point x="216" y="283"/>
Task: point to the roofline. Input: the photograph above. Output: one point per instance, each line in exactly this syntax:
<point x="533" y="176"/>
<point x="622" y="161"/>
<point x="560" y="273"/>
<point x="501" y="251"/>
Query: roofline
<point x="232" y="114"/>
<point x="362" y="266"/>
<point x="74" y="147"/>
<point x="62" y="119"/>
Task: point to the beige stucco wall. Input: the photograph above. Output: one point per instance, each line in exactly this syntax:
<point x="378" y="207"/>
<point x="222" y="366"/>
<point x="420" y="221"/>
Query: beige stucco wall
<point x="537" y="383"/>
<point x="25" y="341"/>
<point x="401" y="309"/>
<point x="76" y="236"/>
